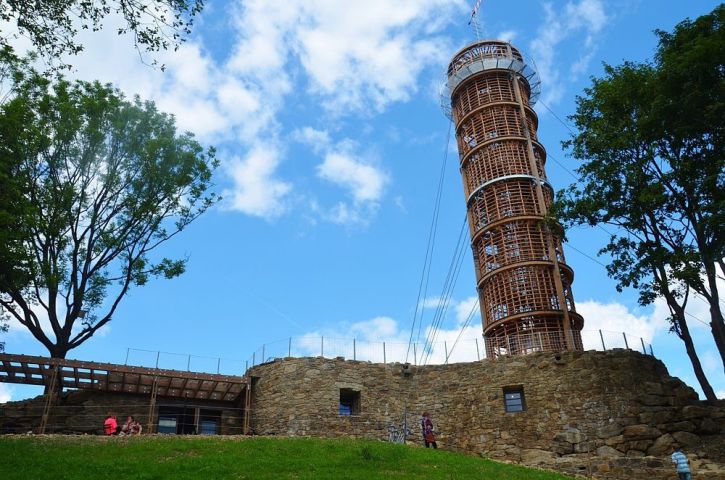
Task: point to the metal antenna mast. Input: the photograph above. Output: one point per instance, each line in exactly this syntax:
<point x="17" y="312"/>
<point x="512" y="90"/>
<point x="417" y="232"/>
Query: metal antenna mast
<point x="474" y="19"/>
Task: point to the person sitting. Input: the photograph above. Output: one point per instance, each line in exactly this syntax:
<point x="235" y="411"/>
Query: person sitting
<point x="131" y="427"/>
<point x="110" y="425"/>
<point x="136" y="428"/>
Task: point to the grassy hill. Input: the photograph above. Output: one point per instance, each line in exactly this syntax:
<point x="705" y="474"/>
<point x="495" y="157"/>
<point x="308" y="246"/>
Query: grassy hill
<point x="209" y="458"/>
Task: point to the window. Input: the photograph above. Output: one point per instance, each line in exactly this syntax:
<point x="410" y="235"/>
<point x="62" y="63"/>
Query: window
<point x="513" y="398"/>
<point x="208" y="427"/>
<point x="176" y="420"/>
<point x="166" y="425"/>
<point x="349" y="402"/>
<point x="209" y="422"/>
<point x="184" y="420"/>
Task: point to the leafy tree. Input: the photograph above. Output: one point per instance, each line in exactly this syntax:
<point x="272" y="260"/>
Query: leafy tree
<point x="98" y="183"/>
<point x="52" y="25"/>
<point x="651" y="144"/>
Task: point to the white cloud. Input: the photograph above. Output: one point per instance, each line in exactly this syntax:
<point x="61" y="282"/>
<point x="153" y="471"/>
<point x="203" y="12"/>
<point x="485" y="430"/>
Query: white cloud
<point x="354" y="57"/>
<point x="430" y="302"/>
<point x="507" y="35"/>
<point x="342" y="166"/>
<point x="614" y="319"/>
<point x="257" y="191"/>
<point x="363" y="181"/>
<point x="585" y="16"/>
<point x="317" y="140"/>
<point x="720" y="394"/>
<point x="6" y="393"/>
<point x="377" y="329"/>
<point x="369" y="54"/>
<point x="370" y="335"/>
<point x="468" y="308"/>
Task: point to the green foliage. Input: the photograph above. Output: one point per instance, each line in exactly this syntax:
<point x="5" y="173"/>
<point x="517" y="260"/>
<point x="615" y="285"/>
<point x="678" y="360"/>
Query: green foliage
<point x="235" y="458"/>
<point x="95" y="183"/>
<point x="52" y="25"/>
<point x="651" y="144"/>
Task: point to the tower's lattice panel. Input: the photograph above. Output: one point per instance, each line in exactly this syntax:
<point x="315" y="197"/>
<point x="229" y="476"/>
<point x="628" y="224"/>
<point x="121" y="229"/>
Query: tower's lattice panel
<point x="524" y="283"/>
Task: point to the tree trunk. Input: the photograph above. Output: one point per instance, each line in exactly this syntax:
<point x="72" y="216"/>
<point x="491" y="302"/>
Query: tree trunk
<point x="57" y="353"/>
<point x="696" y="366"/>
<point x="717" y="323"/>
<point x="718" y="330"/>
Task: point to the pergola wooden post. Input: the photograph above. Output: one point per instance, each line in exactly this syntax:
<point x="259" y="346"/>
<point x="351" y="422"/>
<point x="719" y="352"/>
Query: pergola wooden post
<point x="51" y="392"/>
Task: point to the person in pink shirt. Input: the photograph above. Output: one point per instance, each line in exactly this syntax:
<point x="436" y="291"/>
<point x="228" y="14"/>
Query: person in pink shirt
<point x="110" y="425"/>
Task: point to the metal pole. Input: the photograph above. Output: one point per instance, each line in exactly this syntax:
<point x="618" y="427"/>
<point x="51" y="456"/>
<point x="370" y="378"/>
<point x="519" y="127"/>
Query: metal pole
<point x="415" y="355"/>
<point x="289" y="347"/>
<point x="650" y="350"/>
<point x="218" y="364"/>
<point x="405" y="423"/>
<point x="157" y="359"/>
<point x="445" y="346"/>
<point x="127" y="352"/>
<point x="354" y="350"/>
<point x="188" y="363"/>
<point x="246" y="366"/>
<point x="385" y="360"/>
<point x="626" y="345"/>
<point x="478" y="353"/>
<point x="263" y="355"/>
<point x="644" y="349"/>
<point x="604" y="347"/>
<point x="253" y="359"/>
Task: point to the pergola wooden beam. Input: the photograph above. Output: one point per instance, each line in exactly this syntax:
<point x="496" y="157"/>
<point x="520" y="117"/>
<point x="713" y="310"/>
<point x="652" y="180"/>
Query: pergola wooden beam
<point x="97" y="376"/>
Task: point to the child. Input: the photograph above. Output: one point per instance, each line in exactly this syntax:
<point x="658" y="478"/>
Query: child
<point x="681" y="462"/>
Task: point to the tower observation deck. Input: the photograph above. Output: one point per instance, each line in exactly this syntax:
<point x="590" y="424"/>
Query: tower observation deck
<point x="523" y="281"/>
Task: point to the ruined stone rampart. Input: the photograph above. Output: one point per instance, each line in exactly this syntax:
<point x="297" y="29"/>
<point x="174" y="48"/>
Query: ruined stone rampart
<point x="612" y="414"/>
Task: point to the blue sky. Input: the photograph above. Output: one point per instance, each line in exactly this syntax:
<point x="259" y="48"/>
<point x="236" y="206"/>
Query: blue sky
<point x="327" y="120"/>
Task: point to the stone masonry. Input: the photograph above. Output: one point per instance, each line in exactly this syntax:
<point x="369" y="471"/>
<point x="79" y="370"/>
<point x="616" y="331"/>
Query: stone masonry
<point x="601" y="414"/>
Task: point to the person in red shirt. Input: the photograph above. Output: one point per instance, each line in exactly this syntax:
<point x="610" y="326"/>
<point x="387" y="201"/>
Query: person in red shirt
<point x="110" y="425"/>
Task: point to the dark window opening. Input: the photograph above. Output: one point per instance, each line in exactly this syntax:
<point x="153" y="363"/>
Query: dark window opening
<point x="349" y="402"/>
<point x="513" y="398"/>
<point x="209" y="422"/>
<point x="188" y="421"/>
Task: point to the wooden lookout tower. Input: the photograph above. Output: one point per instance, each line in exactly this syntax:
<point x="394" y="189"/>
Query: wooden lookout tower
<point x="524" y="283"/>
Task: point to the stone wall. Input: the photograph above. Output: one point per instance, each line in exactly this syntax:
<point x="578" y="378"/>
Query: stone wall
<point x="609" y="414"/>
<point x="84" y="411"/>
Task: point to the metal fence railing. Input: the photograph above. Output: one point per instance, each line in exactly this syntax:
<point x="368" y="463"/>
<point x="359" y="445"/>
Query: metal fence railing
<point x="441" y="352"/>
<point x="464" y="350"/>
<point x="184" y="362"/>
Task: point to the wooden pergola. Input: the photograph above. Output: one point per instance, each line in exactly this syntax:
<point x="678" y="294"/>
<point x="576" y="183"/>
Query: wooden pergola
<point x="55" y="373"/>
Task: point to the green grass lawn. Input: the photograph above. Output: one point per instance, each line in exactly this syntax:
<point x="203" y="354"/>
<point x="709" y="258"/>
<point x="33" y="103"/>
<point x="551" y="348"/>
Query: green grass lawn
<point x="207" y="458"/>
